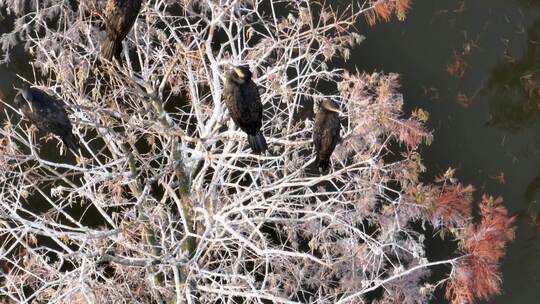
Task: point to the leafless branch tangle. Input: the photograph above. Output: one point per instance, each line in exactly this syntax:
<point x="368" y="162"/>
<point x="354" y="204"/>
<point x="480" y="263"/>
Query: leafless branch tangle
<point x="266" y="228"/>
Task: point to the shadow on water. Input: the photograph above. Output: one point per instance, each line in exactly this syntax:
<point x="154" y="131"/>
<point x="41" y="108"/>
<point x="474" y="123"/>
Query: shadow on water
<point x="515" y="98"/>
<point x="515" y="87"/>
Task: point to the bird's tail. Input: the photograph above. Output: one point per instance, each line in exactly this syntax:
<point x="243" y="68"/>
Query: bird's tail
<point x="110" y="48"/>
<point x="257" y="143"/>
<point x="71" y="142"/>
<point x="323" y="165"/>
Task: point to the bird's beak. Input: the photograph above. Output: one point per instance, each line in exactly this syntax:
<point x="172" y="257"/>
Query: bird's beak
<point x="334" y="109"/>
<point x="239" y="72"/>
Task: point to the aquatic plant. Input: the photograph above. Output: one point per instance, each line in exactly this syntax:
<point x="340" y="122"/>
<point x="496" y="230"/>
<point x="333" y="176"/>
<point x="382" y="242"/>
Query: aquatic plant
<point x="166" y="202"/>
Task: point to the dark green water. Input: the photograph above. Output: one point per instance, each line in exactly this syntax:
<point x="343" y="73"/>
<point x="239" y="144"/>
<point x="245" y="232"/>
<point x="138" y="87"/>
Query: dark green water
<point x="497" y="129"/>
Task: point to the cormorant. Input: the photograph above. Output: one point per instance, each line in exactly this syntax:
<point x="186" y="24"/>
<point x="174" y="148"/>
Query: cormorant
<point x="242" y="98"/>
<point x="47" y="114"/>
<point x="120" y="15"/>
<point x="326" y="132"/>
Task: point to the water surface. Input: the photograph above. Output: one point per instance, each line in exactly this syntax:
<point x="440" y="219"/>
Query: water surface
<point x="484" y="116"/>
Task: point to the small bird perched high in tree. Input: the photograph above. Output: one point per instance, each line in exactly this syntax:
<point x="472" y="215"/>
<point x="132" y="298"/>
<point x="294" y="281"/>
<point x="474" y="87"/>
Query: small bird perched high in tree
<point x="326" y="132"/>
<point x="242" y="98"/>
<point x="47" y="114"/>
<point x="120" y="15"/>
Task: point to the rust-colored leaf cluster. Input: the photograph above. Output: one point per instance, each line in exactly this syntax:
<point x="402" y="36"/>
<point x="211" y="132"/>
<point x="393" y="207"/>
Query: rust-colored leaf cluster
<point x="375" y="102"/>
<point x="412" y="132"/>
<point x="476" y="275"/>
<point x="453" y="205"/>
<point x="384" y="10"/>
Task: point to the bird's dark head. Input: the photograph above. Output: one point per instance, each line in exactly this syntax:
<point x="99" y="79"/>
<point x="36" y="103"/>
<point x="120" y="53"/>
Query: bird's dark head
<point x="241" y="74"/>
<point x="330" y="105"/>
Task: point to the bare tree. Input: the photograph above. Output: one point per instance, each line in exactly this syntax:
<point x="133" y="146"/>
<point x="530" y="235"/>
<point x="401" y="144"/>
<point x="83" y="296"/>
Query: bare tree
<point x="184" y="211"/>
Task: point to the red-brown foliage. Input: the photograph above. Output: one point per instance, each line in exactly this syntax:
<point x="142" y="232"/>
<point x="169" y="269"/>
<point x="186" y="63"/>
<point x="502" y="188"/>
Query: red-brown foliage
<point x="383" y="10"/>
<point x="412" y="132"/>
<point x="453" y="205"/>
<point x="476" y="275"/>
<point x="402" y="6"/>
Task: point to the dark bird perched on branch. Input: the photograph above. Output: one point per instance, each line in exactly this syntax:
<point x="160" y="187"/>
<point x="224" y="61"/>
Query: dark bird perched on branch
<point x="326" y="132"/>
<point x="242" y="98"/>
<point x="47" y="114"/>
<point x="120" y="15"/>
